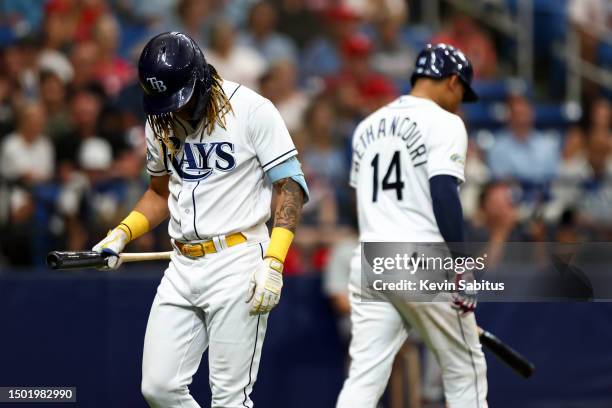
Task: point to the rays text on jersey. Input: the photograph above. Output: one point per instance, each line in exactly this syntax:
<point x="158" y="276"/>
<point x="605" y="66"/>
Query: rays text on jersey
<point x="200" y="160"/>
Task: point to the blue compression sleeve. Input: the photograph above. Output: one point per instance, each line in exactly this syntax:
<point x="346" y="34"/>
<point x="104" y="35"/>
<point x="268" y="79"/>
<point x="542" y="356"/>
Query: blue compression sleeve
<point x="290" y="168"/>
<point x="447" y="207"/>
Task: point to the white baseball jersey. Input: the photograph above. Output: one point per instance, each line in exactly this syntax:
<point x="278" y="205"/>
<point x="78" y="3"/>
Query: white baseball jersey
<point x="396" y="150"/>
<point x="217" y="181"/>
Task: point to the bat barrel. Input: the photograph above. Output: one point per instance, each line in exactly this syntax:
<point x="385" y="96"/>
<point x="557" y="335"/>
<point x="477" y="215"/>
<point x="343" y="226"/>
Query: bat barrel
<point x="74" y="259"/>
<point x="507" y="354"/>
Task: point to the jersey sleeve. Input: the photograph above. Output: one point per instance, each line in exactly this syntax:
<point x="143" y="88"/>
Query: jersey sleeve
<point x="269" y="135"/>
<point x="156" y="165"/>
<point x="447" y="149"/>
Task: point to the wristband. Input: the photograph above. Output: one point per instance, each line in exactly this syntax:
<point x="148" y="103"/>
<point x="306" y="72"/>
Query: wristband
<point x="134" y="225"/>
<point x="280" y="241"/>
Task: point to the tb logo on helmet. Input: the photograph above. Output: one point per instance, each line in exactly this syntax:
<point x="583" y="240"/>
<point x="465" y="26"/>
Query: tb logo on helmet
<point x="158" y="85"/>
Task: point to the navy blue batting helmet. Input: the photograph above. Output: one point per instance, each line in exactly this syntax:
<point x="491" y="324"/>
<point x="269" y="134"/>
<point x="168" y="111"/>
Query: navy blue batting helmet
<point x="171" y="69"/>
<point x="443" y="60"/>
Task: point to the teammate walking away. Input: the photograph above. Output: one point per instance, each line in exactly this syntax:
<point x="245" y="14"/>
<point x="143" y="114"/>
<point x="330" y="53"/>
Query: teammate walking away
<point x="215" y="149"/>
<point x="407" y="191"/>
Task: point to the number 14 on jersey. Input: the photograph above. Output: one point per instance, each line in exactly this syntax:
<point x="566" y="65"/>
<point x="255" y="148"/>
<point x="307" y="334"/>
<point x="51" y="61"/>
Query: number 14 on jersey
<point x="393" y="171"/>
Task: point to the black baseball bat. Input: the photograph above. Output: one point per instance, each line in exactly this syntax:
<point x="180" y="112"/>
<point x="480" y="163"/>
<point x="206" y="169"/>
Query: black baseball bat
<point x="507" y="354"/>
<point x="91" y="259"/>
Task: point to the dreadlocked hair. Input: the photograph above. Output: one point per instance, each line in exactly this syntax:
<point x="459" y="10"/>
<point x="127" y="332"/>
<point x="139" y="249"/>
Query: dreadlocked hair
<point x="162" y="128"/>
<point x="218" y="102"/>
<point x="217" y="106"/>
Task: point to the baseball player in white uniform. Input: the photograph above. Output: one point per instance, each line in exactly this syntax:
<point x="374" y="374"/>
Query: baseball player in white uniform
<point x="408" y="159"/>
<point x="215" y="151"/>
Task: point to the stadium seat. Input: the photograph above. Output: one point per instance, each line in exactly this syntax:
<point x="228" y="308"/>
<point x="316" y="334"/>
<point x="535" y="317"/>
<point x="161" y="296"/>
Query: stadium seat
<point x="499" y="90"/>
<point x="483" y="115"/>
<point x="556" y="116"/>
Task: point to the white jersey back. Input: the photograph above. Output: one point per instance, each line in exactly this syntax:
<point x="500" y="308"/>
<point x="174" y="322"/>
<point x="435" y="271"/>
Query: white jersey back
<point x="217" y="181"/>
<point x="396" y="150"/>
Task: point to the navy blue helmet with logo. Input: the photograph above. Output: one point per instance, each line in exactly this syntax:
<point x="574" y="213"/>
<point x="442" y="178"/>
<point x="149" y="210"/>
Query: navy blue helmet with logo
<point x="171" y="70"/>
<point x="442" y="60"/>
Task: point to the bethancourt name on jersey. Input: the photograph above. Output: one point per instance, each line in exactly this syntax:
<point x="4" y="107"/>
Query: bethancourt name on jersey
<point x="397" y="126"/>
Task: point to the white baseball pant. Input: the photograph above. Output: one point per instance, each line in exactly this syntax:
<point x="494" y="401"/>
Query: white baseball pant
<point x="380" y="328"/>
<point x="200" y="304"/>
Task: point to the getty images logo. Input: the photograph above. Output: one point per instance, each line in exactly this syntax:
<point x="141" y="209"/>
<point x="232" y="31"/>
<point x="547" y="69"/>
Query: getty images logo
<point x="157" y="84"/>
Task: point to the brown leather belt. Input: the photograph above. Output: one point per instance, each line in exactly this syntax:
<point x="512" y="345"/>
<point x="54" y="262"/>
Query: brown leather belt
<point x="199" y="249"/>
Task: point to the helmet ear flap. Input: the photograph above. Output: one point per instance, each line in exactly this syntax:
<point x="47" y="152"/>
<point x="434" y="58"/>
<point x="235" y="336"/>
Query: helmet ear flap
<point x="203" y="90"/>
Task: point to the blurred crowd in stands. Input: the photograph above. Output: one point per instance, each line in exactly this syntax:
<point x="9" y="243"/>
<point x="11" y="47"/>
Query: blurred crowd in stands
<point x="72" y="136"/>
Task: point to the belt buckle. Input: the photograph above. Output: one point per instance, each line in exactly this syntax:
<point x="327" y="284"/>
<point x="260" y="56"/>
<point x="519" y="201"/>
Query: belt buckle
<point x="187" y="249"/>
<point x="194" y="248"/>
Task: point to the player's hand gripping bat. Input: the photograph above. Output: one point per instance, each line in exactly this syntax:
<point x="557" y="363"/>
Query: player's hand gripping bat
<point x="506" y="353"/>
<point x="91" y="259"/>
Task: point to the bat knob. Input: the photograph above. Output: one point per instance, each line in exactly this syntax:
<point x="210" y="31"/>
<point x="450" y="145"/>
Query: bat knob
<point x="53" y="259"/>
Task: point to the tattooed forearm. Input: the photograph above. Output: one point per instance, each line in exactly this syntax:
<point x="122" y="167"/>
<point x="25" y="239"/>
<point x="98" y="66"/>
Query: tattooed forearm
<point x="289" y="204"/>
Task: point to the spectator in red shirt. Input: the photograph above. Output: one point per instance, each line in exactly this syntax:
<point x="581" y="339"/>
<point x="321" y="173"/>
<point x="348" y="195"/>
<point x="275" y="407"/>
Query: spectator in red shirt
<point x="79" y="17"/>
<point x="321" y="57"/>
<point x="112" y="72"/>
<point x="357" y="82"/>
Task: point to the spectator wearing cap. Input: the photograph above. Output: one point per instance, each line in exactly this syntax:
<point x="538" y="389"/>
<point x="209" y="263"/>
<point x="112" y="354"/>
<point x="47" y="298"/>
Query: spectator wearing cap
<point x="377" y="92"/>
<point x="262" y="36"/>
<point x="322" y="57"/>
<point x="358" y="88"/>
<point x="522" y="152"/>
